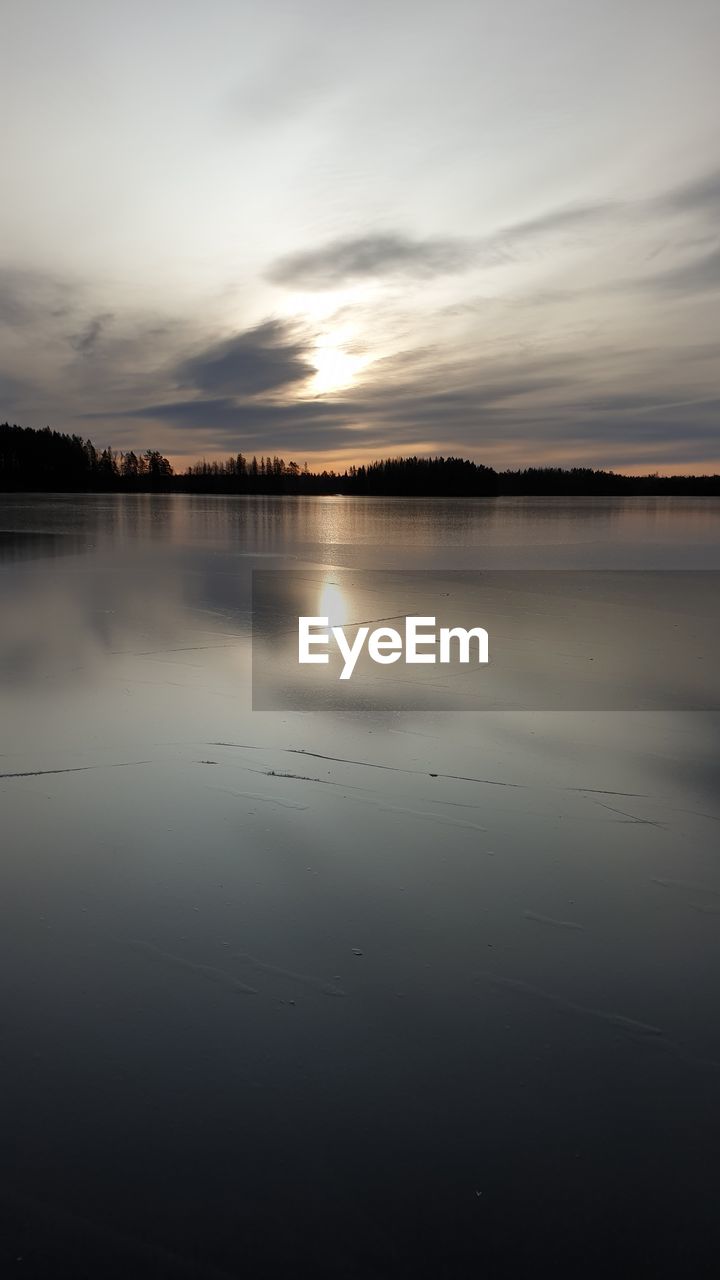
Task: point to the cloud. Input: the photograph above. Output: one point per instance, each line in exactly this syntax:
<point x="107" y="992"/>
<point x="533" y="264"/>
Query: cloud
<point x="394" y="253"/>
<point x="563" y="218"/>
<point x="701" y="195"/>
<point x="507" y="383"/>
<point x="511" y="411"/>
<point x="11" y="390"/>
<point x="13" y="305"/>
<point x="381" y="254"/>
<point x="519" y="429"/>
<point x="85" y="341"/>
<point x="267" y="358"/>
<point x="28" y="296"/>
<point x="700" y="276"/>
<point x="382" y="414"/>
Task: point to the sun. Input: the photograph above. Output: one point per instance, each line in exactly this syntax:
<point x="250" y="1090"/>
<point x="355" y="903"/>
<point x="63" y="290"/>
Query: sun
<point x="336" y="367"/>
<point x="335" y="355"/>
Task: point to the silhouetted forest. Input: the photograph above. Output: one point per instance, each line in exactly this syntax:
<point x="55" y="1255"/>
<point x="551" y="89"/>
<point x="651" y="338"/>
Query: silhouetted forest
<point x="49" y="461"/>
<point x="446" y="477"/>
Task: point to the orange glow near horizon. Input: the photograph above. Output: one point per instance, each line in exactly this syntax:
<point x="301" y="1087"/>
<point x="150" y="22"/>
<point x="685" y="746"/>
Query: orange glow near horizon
<point x="501" y="460"/>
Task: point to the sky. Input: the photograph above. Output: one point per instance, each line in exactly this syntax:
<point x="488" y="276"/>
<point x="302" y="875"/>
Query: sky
<point x="340" y="231"/>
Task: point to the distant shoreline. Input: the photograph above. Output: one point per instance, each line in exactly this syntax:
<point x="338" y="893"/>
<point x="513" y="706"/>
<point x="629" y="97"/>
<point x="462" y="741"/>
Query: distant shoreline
<point x="52" y="462"/>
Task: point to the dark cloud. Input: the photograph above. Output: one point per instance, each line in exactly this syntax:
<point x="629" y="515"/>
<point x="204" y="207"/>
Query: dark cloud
<point x="266" y="358"/>
<point x="561" y="219"/>
<point x="700" y="276"/>
<point x="380" y="415"/>
<point x="85" y="341"/>
<point x="519" y="410"/>
<point x="395" y="253"/>
<point x="364" y="257"/>
<point x="520" y="427"/>
<point x="632" y="402"/>
<point x="701" y="195"/>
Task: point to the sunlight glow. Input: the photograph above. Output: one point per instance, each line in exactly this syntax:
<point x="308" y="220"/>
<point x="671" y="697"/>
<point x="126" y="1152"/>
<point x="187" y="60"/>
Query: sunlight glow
<point x="336" y="368"/>
<point x="335" y="354"/>
<point x="332" y="604"/>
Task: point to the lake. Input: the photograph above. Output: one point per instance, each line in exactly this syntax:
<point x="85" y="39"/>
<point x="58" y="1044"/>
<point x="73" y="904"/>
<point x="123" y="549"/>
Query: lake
<point x="351" y="991"/>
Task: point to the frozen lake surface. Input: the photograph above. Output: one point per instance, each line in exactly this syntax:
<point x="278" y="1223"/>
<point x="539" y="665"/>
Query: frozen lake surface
<point x="370" y="993"/>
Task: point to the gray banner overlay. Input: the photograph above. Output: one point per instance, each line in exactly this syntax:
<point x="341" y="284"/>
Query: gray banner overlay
<point x="558" y="640"/>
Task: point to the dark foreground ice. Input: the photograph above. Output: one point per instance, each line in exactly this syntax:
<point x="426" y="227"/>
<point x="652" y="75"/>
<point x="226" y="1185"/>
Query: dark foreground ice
<point x="366" y="993"/>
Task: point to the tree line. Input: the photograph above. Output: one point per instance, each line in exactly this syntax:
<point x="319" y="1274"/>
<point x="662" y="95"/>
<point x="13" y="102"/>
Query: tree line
<point x="50" y="461"/>
<point x="441" y="476"/>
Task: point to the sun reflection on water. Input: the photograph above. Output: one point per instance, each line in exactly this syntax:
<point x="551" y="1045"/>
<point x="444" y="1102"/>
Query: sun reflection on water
<point x="333" y="604"/>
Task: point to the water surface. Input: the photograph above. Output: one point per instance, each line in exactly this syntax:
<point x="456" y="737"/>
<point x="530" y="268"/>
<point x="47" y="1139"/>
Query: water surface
<point x="363" y="993"/>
